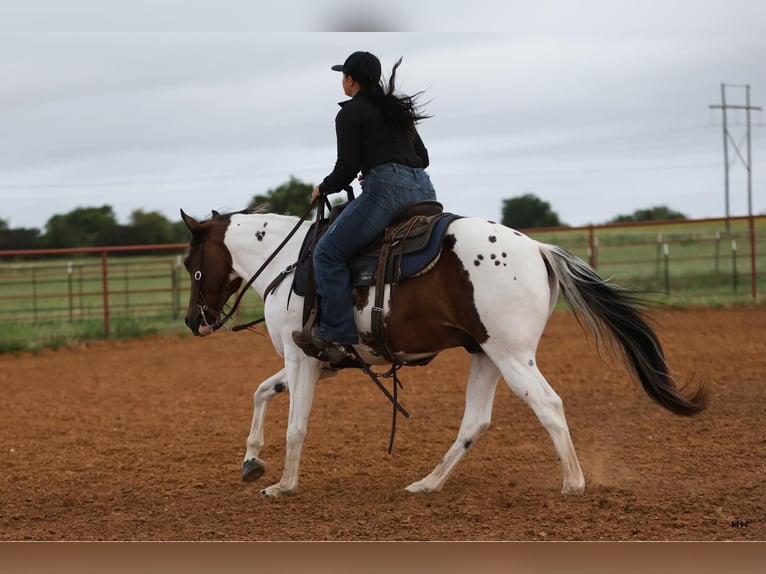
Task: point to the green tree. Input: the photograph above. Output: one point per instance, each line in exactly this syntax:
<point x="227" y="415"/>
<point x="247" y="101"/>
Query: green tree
<point x="18" y="238"/>
<point x="528" y="211"/>
<point x="290" y="198"/>
<point x="145" y="228"/>
<point x="656" y="213"/>
<point x="81" y="227"/>
<point x="154" y="227"/>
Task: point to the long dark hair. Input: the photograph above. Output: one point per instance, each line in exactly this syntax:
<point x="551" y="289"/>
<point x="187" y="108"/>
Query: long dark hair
<point x="402" y="112"/>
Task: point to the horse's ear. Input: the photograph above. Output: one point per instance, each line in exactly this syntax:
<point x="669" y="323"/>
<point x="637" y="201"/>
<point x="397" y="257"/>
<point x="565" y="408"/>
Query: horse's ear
<point x="216" y="215"/>
<point x="190" y="222"/>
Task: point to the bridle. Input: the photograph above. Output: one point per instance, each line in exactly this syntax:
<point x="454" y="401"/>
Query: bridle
<point x="202" y="305"/>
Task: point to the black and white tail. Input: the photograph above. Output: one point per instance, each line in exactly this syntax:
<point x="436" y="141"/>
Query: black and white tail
<point x="612" y="314"/>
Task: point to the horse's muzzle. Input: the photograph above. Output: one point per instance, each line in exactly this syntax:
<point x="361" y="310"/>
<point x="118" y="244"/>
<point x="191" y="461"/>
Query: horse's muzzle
<point x="197" y="326"/>
<point x="193" y="323"/>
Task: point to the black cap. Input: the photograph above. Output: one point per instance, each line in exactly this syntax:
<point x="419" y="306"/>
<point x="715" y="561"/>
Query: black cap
<point x="362" y="66"/>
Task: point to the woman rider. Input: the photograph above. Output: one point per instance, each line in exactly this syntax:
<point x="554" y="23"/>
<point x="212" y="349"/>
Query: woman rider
<point x="376" y="136"/>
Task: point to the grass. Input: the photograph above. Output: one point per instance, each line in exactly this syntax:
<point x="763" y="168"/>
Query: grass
<point x="26" y="336"/>
<point x="56" y="303"/>
<point x="56" y="334"/>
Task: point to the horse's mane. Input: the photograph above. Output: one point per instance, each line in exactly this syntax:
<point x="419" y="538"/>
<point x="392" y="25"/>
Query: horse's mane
<point x="256" y="208"/>
<point x="253" y="209"/>
<point x="226" y="215"/>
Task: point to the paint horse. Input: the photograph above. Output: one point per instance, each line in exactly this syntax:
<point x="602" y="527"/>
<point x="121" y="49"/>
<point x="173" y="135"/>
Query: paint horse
<point x="491" y="291"/>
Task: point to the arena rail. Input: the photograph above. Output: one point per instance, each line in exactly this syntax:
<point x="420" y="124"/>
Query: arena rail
<point x="693" y="259"/>
<point x="716" y="230"/>
<point x="8" y="277"/>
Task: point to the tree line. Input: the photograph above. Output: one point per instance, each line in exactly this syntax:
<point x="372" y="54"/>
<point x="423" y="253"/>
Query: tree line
<point x="98" y="226"/>
<point x="95" y="227"/>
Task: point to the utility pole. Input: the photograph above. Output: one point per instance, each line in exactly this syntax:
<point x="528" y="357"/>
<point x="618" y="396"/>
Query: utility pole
<point x="723" y="106"/>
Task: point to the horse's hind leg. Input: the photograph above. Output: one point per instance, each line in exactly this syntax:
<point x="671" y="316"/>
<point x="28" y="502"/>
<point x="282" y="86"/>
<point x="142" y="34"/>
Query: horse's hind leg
<point x="252" y="466"/>
<point x="480" y="393"/>
<point x="526" y="380"/>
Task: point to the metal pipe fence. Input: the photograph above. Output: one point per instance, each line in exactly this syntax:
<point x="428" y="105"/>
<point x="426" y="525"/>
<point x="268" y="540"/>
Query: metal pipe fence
<point x="43" y="287"/>
<point x="687" y="261"/>
<point x="705" y="260"/>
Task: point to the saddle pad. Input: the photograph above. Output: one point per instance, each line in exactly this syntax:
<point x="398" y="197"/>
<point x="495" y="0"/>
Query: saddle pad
<point x="363" y="267"/>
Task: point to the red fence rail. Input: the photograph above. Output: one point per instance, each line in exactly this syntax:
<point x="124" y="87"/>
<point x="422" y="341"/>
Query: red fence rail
<point x="697" y="257"/>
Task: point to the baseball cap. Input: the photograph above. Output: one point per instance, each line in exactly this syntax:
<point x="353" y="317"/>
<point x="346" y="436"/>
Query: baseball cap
<point x="362" y="66"/>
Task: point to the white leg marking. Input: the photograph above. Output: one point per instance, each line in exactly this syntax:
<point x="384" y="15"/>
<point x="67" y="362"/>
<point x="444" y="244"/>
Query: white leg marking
<point x="302" y="375"/>
<point x="526" y="380"/>
<point x="480" y="394"/>
<point x="267" y="390"/>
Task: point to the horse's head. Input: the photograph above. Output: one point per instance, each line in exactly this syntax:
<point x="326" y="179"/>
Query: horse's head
<point x="209" y="265"/>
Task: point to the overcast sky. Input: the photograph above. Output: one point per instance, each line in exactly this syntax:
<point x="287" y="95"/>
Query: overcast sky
<point x="598" y="108"/>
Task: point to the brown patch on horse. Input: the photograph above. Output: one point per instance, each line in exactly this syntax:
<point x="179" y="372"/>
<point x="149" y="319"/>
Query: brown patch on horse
<point x="436" y="310"/>
<point x="361" y="297"/>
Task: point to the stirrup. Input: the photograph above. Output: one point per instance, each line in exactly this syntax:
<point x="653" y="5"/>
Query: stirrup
<point x="319" y="348"/>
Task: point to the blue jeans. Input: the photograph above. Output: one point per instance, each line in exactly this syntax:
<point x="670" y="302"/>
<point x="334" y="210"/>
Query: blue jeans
<point x="386" y="189"/>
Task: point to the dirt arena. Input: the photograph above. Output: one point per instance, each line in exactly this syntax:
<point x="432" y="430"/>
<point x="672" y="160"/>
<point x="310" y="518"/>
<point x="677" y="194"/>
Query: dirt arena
<point x="143" y="440"/>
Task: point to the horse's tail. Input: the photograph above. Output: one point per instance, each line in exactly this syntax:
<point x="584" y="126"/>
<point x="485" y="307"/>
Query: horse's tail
<point x="612" y="315"/>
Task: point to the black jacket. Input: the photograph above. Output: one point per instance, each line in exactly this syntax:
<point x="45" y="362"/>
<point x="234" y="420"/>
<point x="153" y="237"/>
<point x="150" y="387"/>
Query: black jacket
<point x="364" y="141"/>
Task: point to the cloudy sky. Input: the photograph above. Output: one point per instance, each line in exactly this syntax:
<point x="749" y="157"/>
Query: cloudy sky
<point x="599" y="108"/>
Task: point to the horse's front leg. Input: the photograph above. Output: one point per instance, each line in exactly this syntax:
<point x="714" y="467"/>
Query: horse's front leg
<point x="302" y="375"/>
<point x="253" y="467"/>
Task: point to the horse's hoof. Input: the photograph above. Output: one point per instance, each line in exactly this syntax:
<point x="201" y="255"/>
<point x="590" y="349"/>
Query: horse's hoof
<point x="421" y="487"/>
<point x="575" y="490"/>
<point x="271" y="492"/>
<point x="252" y="470"/>
<point x="276" y="490"/>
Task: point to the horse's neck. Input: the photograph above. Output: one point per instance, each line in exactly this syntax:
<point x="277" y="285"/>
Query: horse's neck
<point x="252" y="239"/>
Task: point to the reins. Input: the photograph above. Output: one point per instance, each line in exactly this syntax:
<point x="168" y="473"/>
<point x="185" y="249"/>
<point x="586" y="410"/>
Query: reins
<point x="375" y="377"/>
<point x="220" y="322"/>
<point x="320" y="214"/>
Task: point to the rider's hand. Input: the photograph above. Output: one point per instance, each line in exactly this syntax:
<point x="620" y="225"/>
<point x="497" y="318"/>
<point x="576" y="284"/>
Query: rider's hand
<point x="315" y="195"/>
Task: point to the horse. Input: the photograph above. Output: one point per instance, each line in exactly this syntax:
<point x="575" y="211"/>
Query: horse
<point x="491" y="291"/>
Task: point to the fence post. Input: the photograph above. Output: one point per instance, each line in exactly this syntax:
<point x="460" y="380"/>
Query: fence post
<point x="753" y="266"/>
<point x="734" y="264"/>
<point x="666" y="251"/>
<point x="69" y="285"/>
<point x="126" y="288"/>
<point x="659" y="249"/>
<point x="105" y="282"/>
<point x="591" y="247"/>
<point x="176" y="282"/>
<point x="34" y="294"/>
<point x="80" y="298"/>
<point x="717" y="249"/>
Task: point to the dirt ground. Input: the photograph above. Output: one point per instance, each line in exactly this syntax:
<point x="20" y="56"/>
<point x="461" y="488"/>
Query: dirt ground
<point x="143" y="440"/>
